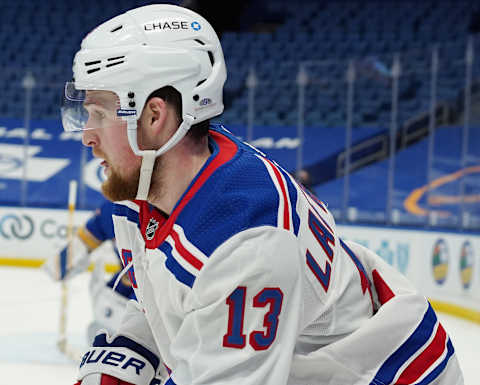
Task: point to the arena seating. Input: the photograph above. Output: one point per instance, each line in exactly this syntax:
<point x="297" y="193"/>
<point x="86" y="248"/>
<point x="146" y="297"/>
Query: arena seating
<point x="327" y="34"/>
<point x="369" y="185"/>
<point x="323" y="37"/>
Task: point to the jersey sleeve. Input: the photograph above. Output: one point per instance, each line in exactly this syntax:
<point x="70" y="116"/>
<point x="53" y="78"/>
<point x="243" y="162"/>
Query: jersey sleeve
<point x="403" y="343"/>
<point x="100" y="225"/>
<point x="242" y="314"/>
<point x="99" y="228"/>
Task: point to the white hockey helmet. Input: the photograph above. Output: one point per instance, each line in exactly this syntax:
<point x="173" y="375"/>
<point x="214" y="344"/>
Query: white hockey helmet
<point x="140" y="51"/>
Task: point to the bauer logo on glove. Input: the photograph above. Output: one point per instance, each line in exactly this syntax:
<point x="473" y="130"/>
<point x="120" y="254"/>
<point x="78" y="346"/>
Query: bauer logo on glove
<point x="112" y="358"/>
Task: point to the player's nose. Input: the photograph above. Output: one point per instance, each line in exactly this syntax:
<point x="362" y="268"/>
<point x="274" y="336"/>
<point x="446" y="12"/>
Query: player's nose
<point x="89" y="138"/>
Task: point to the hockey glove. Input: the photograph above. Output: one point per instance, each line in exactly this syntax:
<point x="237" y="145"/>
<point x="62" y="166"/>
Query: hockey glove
<point x="117" y="359"/>
<point x="101" y="379"/>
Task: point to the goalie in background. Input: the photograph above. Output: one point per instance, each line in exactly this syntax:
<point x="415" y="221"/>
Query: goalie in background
<point x="108" y="305"/>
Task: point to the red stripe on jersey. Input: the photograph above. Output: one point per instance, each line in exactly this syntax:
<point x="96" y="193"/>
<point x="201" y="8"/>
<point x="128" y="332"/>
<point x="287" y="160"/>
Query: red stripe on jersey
<point x="384" y="292"/>
<point x="364" y="281"/>
<point x="286" y="212"/>
<point x="426" y="359"/>
<point x="318" y="201"/>
<point x="226" y="151"/>
<point x="189" y="257"/>
<point x="327" y="226"/>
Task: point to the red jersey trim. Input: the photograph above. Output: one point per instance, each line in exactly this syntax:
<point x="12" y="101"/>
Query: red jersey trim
<point x="226" y="151"/>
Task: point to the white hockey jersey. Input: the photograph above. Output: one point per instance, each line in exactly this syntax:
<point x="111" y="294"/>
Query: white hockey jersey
<point x="247" y="282"/>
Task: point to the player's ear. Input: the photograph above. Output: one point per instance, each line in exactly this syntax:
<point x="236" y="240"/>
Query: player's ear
<point x="155" y="114"/>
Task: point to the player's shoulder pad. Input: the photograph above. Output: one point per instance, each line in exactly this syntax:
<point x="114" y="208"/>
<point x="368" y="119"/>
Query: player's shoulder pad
<point x="240" y="195"/>
<point x="100" y="225"/>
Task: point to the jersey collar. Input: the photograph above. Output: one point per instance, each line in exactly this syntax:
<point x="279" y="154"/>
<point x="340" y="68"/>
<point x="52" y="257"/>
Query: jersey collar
<point x="154" y="226"/>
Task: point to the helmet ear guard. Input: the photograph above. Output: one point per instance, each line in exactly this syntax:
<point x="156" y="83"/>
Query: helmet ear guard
<point x="148" y="48"/>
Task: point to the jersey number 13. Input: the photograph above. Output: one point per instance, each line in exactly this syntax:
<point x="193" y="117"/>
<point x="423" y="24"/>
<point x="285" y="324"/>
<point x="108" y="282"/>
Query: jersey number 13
<point x="259" y="340"/>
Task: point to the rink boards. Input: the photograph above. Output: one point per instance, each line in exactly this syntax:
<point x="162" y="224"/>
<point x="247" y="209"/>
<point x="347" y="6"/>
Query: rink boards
<point x="29" y="235"/>
<point x="443" y="266"/>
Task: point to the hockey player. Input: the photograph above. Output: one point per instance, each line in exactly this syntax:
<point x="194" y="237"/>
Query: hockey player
<point x="108" y="305"/>
<point x="240" y="275"/>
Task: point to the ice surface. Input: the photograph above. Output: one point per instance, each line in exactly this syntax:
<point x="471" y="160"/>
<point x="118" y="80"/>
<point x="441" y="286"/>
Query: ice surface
<point x="30" y="304"/>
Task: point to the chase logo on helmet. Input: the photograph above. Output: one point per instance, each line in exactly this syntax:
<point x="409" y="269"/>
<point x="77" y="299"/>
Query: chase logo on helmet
<point x="172" y="25"/>
<point x="196" y="26"/>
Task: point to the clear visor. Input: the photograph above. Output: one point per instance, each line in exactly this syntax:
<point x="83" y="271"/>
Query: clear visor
<point x="91" y="109"/>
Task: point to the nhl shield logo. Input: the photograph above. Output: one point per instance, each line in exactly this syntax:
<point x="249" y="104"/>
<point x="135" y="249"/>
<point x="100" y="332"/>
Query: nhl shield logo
<point x="151" y="229"/>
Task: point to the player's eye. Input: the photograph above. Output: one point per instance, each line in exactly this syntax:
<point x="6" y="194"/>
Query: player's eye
<point x="99" y="114"/>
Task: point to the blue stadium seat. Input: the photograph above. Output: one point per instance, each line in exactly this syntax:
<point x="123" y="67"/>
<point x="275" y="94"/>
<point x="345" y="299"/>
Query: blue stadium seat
<point x="323" y="31"/>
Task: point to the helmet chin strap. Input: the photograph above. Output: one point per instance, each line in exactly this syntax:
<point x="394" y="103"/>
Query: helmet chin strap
<point x="148" y="161"/>
<point x="149" y="156"/>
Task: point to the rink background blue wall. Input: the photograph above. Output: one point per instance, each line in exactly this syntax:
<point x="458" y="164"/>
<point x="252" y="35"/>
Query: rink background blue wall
<point x="443" y="266"/>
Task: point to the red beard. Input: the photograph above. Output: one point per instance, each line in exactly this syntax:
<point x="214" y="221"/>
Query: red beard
<point x="118" y="188"/>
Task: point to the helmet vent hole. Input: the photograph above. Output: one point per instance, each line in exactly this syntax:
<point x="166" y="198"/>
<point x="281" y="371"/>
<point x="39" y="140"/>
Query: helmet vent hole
<point x="90" y="63"/>
<point x="210" y="55"/>
<point x="117" y="28"/>
<point x="201" y="81"/>
<point x="114" y="64"/>
<point x="93" y="70"/>
<point x="115" y="58"/>
<point x="196" y="97"/>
